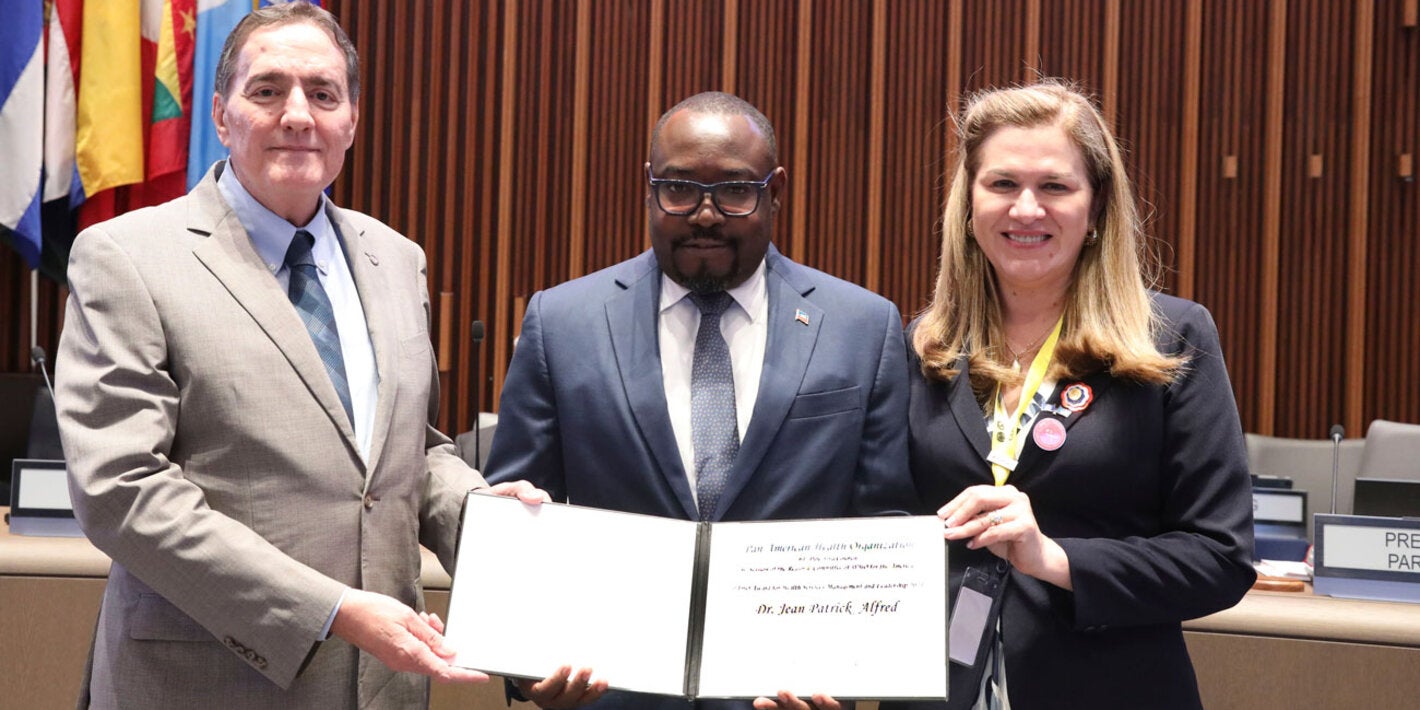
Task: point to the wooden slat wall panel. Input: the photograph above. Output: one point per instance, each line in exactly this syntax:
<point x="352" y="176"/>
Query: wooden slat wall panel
<point x="919" y="99"/>
<point x="766" y="60"/>
<point x="1150" y="101"/>
<point x="507" y="137"/>
<point x="620" y="56"/>
<point x="1312" y="260"/>
<point x="1231" y="168"/>
<point x="421" y="122"/>
<point x="836" y="181"/>
<point x="1072" y="35"/>
<point x="1359" y="137"/>
<point x="695" y="36"/>
<point x="1392" y="298"/>
<point x="15" y="303"/>
<point x="993" y="44"/>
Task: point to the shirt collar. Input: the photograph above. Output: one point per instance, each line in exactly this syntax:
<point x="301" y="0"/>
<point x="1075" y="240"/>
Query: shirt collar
<point x="271" y="234"/>
<point x="750" y="295"/>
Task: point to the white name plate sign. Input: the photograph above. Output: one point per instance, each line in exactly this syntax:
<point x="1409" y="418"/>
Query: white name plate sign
<point x="1275" y="505"/>
<point x="1364" y="557"/>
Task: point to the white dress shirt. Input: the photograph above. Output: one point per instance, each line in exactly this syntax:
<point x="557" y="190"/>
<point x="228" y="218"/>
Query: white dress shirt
<point x="745" y="326"/>
<point x="271" y="235"/>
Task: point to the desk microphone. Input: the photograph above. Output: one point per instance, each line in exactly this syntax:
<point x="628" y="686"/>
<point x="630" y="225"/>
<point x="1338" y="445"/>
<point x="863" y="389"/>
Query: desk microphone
<point x="1337" y="432"/>
<point x="37" y="359"/>
<point x="476" y="332"/>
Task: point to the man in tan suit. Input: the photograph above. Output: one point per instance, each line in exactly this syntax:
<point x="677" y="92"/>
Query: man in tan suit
<point x="245" y="384"/>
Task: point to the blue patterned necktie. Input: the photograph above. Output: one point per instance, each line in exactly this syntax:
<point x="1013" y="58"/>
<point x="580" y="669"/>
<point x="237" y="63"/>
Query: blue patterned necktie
<point x="316" y="312"/>
<point x="714" y="430"/>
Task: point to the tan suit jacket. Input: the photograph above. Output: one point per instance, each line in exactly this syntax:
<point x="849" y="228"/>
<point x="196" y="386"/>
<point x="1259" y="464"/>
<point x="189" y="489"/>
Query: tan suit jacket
<point x="212" y="460"/>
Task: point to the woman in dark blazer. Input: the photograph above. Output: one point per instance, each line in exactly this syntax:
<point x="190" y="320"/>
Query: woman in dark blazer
<point x="1075" y="431"/>
<point x="1112" y="504"/>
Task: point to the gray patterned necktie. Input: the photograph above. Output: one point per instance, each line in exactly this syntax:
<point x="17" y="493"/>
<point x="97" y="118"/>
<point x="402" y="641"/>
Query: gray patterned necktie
<point x="713" y="426"/>
<point x="315" y="310"/>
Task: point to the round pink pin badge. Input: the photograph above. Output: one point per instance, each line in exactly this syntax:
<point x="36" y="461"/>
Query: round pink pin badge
<point x="1049" y="434"/>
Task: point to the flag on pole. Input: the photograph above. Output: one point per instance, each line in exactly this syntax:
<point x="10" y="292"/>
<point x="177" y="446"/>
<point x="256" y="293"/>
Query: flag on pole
<point x="162" y="117"/>
<point x="22" y="126"/>
<point x="63" y="190"/>
<point x="172" y="89"/>
<point x="215" y="20"/>
<point x="60" y="102"/>
<point x="108" y="145"/>
<point x="114" y="102"/>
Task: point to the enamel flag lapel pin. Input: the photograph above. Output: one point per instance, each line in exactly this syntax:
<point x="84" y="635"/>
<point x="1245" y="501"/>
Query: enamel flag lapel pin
<point x="801" y="316"/>
<point x="1076" y="397"/>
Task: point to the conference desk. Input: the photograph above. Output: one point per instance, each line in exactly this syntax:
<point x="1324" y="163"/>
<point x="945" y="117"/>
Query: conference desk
<point x="50" y="589"/>
<point x="1273" y="650"/>
<point x="1299" y="650"/>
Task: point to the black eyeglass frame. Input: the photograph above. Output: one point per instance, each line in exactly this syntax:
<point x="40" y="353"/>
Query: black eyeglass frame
<point x="759" y="185"/>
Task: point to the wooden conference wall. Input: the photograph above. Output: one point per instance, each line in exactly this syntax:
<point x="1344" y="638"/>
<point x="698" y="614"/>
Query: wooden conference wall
<point x="1274" y="142"/>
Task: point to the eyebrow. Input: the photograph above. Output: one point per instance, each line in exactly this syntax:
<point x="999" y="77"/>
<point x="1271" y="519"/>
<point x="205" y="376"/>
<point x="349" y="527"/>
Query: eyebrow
<point x="275" y="77"/>
<point x="1011" y="173"/>
<point x="733" y="174"/>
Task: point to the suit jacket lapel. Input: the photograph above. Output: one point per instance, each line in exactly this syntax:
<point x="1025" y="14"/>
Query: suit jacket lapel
<point x="229" y="255"/>
<point x="632" y="319"/>
<point x="787" y="349"/>
<point x="361" y="256"/>
<point x="967" y="411"/>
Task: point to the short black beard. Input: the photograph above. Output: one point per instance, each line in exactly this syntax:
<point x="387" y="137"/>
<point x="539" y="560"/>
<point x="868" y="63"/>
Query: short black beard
<point x="704" y="282"/>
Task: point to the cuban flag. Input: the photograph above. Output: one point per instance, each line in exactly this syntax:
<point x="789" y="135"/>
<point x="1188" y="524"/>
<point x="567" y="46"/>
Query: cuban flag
<point x="22" y="125"/>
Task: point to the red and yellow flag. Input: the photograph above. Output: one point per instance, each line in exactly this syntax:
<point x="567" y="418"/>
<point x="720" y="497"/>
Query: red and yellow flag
<point x="172" y="90"/>
<point x="108" y="145"/>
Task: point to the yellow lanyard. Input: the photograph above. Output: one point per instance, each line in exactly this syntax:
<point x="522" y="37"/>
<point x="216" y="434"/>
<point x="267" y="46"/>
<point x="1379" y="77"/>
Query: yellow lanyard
<point x="1006" y="444"/>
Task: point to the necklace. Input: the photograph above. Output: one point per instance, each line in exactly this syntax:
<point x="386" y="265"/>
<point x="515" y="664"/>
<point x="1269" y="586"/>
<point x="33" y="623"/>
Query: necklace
<point x="1017" y="355"/>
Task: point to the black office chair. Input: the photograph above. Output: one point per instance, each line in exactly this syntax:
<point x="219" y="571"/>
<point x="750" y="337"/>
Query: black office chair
<point x="18" y="391"/>
<point x="44" y="429"/>
<point x="477" y="441"/>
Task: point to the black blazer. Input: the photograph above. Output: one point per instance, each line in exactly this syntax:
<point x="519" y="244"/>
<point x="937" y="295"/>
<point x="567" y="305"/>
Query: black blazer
<point x="1150" y="498"/>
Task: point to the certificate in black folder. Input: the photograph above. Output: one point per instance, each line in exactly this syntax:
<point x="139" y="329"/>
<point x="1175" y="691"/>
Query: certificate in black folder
<point x="853" y="607"/>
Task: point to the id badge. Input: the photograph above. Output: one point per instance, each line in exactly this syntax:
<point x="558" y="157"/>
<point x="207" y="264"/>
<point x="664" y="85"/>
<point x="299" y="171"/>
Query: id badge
<point x="974" y="616"/>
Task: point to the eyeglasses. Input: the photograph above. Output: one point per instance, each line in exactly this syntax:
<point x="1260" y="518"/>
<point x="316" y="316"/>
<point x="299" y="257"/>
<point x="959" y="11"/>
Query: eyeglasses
<point x="681" y="198"/>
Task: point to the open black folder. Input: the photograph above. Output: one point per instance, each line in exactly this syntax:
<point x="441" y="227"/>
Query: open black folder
<point x="853" y="607"/>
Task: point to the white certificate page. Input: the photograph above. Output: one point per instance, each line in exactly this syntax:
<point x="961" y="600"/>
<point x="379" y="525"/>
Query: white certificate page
<point x="855" y="608"/>
<point x="538" y="587"/>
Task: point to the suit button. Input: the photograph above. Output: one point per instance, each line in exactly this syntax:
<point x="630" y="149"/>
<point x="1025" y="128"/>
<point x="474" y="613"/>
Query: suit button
<point x="370" y="501"/>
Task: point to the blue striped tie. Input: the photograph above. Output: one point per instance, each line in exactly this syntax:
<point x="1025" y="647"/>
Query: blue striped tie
<point x="316" y="312"/>
<point x="714" y="430"/>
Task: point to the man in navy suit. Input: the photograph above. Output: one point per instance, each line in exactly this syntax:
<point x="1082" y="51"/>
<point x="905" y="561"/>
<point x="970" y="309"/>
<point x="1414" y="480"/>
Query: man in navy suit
<point x="605" y="400"/>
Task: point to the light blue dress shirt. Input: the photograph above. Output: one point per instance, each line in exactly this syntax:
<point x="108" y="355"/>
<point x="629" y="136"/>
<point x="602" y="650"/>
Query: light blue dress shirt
<point x="271" y="235"/>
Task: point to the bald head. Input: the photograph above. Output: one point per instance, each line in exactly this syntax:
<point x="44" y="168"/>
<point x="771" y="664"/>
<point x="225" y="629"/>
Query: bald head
<point x="719" y="103"/>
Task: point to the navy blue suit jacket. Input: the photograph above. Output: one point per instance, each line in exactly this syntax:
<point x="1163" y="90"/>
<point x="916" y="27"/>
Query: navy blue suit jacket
<point x="1151" y="500"/>
<point x="583" y="413"/>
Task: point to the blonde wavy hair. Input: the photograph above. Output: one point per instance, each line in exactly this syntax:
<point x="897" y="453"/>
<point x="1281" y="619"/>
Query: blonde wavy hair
<point x="1108" y="320"/>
